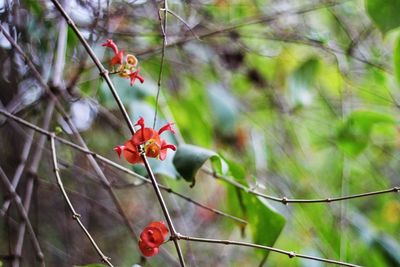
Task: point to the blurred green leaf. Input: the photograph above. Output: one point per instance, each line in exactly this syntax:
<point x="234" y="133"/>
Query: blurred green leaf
<point x="265" y="222"/>
<point x="188" y="160"/>
<point x="301" y="82"/>
<point x="384" y="13"/>
<point x="396" y="59"/>
<point x="224" y="109"/>
<point x="354" y="133"/>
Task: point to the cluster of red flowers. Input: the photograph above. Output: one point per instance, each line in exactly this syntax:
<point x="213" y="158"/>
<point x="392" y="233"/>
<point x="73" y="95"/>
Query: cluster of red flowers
<point x="154" y="146"/>
<point x="152" y="237"/>
<point x="125" y="69"/>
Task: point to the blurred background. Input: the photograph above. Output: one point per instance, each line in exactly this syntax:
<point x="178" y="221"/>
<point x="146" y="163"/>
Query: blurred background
<point x="299" y="98"/>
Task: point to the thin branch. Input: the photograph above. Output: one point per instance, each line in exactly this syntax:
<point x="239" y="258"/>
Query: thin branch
<point x="75" y="215"/>
<point x="163" y="27"/>
<point x="104" y="74"/>
<point x="24" y="215"/>
<point x="116" y="165"/>
<point x="285" y="200"/>
<point x="182" y="20"/>
<point x="20" y="169"/>
<point x="32" y="175"/>
<point x="249" y="21"/>
<point x="22" y="227"/>
<point x="290" y="254"/>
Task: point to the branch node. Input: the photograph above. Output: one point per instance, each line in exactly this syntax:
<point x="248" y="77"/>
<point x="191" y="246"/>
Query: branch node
<point x="104" y="72"/>
<point x="284" y="200"/>
<point x="292" y="254"/>
<point x="328" y="199"/>
<point x="76" y="216"/>
<point x="396" y="189"/>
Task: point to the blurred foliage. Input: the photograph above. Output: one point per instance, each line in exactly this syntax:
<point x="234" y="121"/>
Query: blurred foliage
<point x="294" y="98"/>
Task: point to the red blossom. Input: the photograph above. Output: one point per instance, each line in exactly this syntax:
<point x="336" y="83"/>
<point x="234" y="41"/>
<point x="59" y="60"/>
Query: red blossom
<point x="152" y="237"/>
<point x="154" y="146"/>
<point x="119" y="150"/>
<point x="135" y="75"/>
<point x="146" y="250"/>
<point x="118" y="54"/>
<point x="110" y="43"/>
<point x="118" y="58"/>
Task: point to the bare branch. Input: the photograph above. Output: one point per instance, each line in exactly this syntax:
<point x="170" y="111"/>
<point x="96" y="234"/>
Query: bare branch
<point x="75" y="215"/>
<point x="285" y="200"/>
<point x="290" y="254"/>
<point x="24" y="215"/>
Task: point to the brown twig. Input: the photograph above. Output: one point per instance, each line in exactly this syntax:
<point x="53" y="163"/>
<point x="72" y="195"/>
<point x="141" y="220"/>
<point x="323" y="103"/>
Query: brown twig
<point x="75" y="215"/>
<point x="285" y="200"/>
<point x="290" y="254"/>
<point x="24" y="215"/>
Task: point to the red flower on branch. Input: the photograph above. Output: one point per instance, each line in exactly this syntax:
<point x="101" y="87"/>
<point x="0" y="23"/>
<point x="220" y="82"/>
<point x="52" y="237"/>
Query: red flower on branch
<point x="152" y="237"/>
<point x="135" y="75"/>
<point x="118" y="54"/>
<point x="154" y="146"/>
<point x="125" y="69"/>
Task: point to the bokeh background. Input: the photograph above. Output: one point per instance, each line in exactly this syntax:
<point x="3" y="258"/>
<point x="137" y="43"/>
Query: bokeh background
<point x="299" y="98"/>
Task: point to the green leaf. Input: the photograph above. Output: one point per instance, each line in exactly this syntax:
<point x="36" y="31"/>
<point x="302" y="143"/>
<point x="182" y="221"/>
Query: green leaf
<point x="301" y="82"/>
<point x="265" y="222"/>
<point x="224" y="108"/>
<point x="396" y="59"/>
<point x="188" y="160"/>
<point x="354" y="133"/>
<point x="384" y="13"/>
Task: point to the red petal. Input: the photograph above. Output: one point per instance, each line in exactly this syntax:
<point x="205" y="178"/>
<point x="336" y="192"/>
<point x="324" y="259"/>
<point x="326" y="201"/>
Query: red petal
<point x="110" y="43"/>
<point x="118" y="58"/>
<point x="164" y="147"/>
<point x="152" y="236"/>
<point x="135" y="75"/>
<point x="167" y="127"/>
<point x="119" y="150"/>
<point x="144" y="135"/>
<point x="160" y="225"/>
<point x="131" y="153"/>
<point x="146" y="250"/>
<point x="140" y="122"/>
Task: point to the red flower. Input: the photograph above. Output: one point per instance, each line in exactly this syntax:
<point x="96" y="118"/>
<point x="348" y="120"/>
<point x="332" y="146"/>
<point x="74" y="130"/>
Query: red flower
<point x="154" y="146"/>
<point x="152" y="237"/>
<point x="146" y="250"/>
<point x="135" y="75"/>
<point x="118" y="55"/>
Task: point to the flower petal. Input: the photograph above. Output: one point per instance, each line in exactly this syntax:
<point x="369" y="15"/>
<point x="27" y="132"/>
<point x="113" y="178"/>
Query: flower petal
<point x="119" y="150"/>
<point x="146" y="250"/>
<point x="160" y="225"/>
<point x="131" y="153"/>
<point x="167" y="127"/>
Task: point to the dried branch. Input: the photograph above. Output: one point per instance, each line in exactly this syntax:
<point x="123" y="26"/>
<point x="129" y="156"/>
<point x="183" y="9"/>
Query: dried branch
<point x="75" y="215"/>
<point x="20" y="169"/>
<point x="285" y="200"/>
<point x="32" y="174"/>
<point x="290" y="254"/>
<point x="24" y="215"/>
